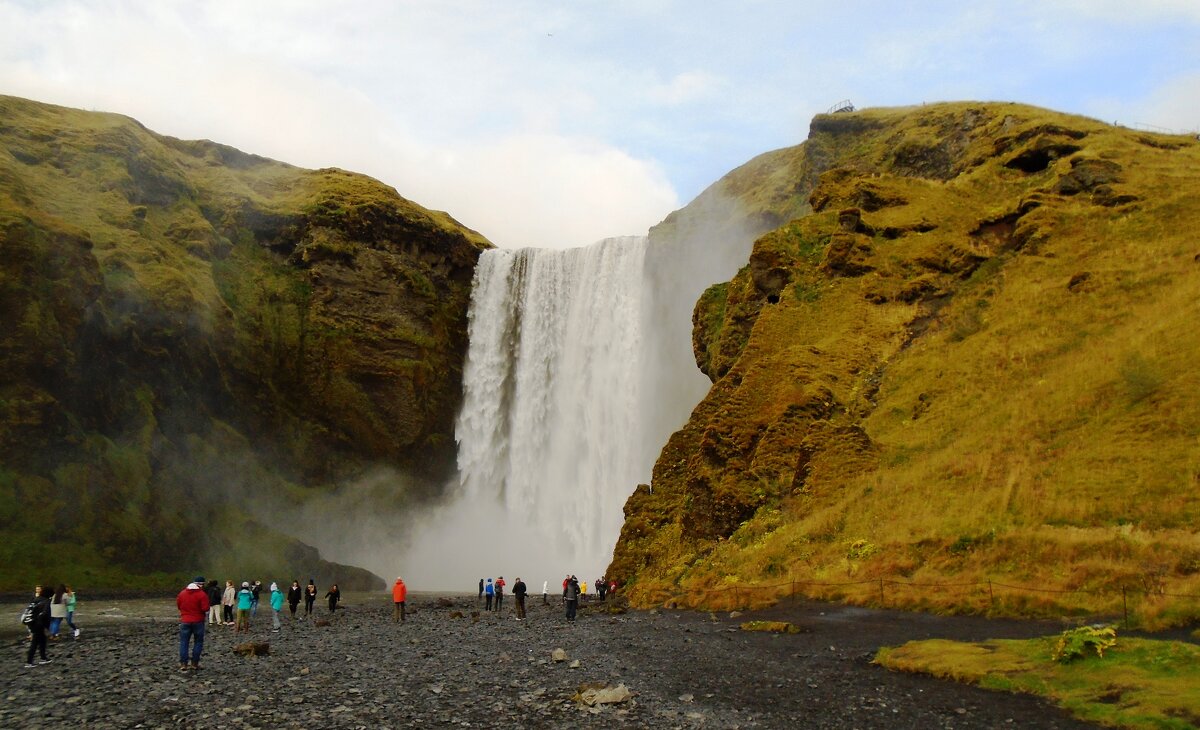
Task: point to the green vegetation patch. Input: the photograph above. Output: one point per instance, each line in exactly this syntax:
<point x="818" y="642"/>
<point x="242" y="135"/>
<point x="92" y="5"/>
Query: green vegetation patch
<point x="1137" y="683"/>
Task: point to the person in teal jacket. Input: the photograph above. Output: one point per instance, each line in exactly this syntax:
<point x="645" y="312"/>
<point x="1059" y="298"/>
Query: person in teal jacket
<point x="276" y="605"/>
<point x="245" y="599"/>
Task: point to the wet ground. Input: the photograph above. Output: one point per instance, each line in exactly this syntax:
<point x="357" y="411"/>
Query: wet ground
<point x="445" y="667"/>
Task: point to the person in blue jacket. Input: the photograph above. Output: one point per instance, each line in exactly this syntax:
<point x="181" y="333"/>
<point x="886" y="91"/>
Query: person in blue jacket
<point x="489" y="592"/>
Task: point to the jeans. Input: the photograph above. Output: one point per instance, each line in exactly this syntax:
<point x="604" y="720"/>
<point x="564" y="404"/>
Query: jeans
<point x="54" y="624"/>
<point x="71" y="620"/>
<point x="195" y="632"/>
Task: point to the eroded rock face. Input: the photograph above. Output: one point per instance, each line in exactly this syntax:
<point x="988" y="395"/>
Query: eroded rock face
<point x="200" y="325"/>
<point x="918" y="220"/>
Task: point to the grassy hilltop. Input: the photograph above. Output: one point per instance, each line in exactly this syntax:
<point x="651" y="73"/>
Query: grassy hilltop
<point x="966" y="352"/>
<point x="188" y="328"/>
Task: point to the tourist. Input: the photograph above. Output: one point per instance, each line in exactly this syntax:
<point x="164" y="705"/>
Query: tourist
<point x="399" y="597"/>
<point x="310" y="597"/>
<point x="58" y="611"/>
<point x="333" y="595"/>
<point x="566" y="582"/>
<point x="254" y="591"/>
<point x="601" y="588"/>
<point x="228" y="598"/>
<point x="192" y="603"/>
<point x="489" y="592"/>
<point x="572" y="597"/>
<point x="519" y="591"/>
<point x="245" y="600"/>
<point x="71" y="612"/>
<point x="583" y="591"/>
<point x="39" y="620"/>
<point x="294" y="594"/>
<point x="480" y="592"/>
<point x="276" y="606"/>
<point x="213" y="589"/>
<point x="499" y="592"/>
<point x="545" y="593"/>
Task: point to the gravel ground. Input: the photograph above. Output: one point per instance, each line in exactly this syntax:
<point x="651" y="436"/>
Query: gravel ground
<point x="445" y="668"/>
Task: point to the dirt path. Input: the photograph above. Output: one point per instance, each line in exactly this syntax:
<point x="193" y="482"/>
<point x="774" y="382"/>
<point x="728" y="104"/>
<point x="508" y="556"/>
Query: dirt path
<point x="443" y="668"/>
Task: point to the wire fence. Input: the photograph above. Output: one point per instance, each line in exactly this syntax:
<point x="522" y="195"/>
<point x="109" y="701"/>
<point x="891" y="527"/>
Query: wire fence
<point x="886" y="592"/>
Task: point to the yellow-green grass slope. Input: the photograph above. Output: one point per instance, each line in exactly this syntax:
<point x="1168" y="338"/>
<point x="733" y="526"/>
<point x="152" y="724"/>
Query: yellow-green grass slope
<point x="187" y="326"/>
<point x="1138" y="683"/>
<point x="972" y="361"/>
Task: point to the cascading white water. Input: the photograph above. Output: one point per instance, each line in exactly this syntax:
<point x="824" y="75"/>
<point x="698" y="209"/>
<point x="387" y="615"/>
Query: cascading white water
<point x="550" y="431"/>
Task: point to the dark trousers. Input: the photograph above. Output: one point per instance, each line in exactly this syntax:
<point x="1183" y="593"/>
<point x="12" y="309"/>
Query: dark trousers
<point x="293" y="607"/>
<point x="520" y="606"/>
<point x="227" y="613"/>
<point x="308" y="604"/>
<point x="571" y="606"/>
<point x="488" y="607"/>
<point x="499" y="601"/>
<point x="38" y="644"/>
<point x="397" y="611"/>
<point x="193" y="633"/>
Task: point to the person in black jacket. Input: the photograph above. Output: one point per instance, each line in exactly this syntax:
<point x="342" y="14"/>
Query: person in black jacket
<point x="294" y="594"/>
<point x="213" y="589"/>
<point x="37" y="627"/>
<point x="334" y="595"/>
<point x="519" y="591"/>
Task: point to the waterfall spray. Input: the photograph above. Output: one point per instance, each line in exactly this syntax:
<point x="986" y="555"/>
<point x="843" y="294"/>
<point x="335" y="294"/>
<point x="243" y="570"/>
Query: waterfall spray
<point x="550" y="431"/>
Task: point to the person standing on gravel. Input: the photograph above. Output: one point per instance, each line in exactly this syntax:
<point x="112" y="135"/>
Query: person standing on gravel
<point x="245" y="599"/>
<point x="489" y="592"/>
<point x="519" y="591"/>
<point x="276" y="606"/>
<point x="254" y="591"/>
<point x="334" y="595"/>
<point x="545" y="593"/>
<point x="399" y="596"/>
<point x="480" y="592"/>
<point x="192" y="603"/>
<point x="228" y="598"/>
<point x="58" y="611"/>
<point x="310" y="597"/>
<point x="70" y="597"/>
<point x="572" y="597"/>
<point x="294" y="594"/>
<point x="213" y="589"/>
<point x="499" y="592"/>
<point x="39" y="621"/>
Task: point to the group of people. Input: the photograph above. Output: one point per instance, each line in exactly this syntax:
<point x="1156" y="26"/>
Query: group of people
<point x="492" y="593"/>
<point x="44" y="617"/>
<point x="202" y="599"/>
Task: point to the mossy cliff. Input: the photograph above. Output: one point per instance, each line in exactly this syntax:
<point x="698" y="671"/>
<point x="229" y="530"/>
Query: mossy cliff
<point x="187" y="327"/>
<point x="965" y="352"/>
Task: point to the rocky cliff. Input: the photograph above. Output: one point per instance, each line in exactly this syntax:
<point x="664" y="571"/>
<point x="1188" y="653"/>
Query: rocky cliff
<point x="962" y="353"/>
<point x="191" y="331"/>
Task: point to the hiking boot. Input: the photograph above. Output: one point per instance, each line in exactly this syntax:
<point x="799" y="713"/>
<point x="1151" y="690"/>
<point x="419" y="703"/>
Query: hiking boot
<point x="44" y="661"/>
<point x="183" y="667"/>
<point x="195" y="666"/>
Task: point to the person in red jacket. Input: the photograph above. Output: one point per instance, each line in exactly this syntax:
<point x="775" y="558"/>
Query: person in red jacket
<point x="192" y="602"/>
<point x="399" y="596"/>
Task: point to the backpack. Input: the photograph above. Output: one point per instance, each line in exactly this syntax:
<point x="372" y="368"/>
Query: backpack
<point x="29" y="612"/>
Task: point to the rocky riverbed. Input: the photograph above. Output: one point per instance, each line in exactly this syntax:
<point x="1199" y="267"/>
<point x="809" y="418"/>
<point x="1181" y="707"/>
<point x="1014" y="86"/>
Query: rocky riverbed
<point x="448" y="667"/>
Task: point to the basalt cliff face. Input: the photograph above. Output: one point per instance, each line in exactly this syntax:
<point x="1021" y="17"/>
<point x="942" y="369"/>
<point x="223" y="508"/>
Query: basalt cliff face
<point x="964" y="352"/>
<point x="189" y="329"/>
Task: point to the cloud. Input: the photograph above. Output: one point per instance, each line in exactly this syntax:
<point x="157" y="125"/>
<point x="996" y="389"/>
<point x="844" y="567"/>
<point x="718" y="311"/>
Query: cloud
<point x="523" y="182"/>
<point x="685" y="87"/>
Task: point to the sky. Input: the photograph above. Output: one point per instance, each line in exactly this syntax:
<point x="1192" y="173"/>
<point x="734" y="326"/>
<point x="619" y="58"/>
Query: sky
<point x="556" y="124"/>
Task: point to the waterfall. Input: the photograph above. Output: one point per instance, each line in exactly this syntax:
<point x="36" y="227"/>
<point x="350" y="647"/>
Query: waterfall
<point x="550" y="431"/>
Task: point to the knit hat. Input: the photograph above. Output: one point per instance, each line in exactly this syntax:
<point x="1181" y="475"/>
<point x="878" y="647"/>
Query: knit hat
<point x="198" y="579"/>
<point x="274" y="586"/>
<point x="245" y="584"/>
